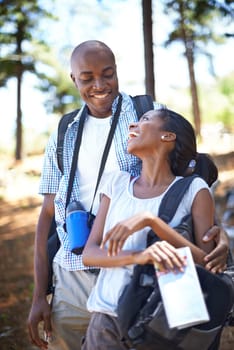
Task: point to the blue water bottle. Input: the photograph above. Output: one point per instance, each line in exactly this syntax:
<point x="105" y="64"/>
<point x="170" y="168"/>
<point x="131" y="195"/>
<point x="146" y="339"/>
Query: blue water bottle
<point x="77" y="226"/>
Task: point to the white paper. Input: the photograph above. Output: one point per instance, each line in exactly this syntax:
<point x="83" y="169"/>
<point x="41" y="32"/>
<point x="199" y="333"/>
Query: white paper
<point x="182" y="296"/>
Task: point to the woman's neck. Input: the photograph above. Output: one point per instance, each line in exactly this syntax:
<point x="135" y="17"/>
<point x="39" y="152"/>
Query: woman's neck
<point x="153" y="181"/>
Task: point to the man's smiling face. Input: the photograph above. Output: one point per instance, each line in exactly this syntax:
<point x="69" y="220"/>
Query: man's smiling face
<point x="94" y="74"/>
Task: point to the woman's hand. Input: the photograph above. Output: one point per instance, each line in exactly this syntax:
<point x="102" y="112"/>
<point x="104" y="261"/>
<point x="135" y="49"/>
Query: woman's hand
<point x="120" y="232"/>
<point x="163" y="255"/>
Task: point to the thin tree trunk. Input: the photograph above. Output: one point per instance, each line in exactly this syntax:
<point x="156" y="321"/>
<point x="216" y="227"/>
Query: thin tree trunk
<point x="148" y="47"/>
<point x="19" y="68"/>
<point x="189" y="53"/>
<point x="18" y="148"/>
<point x="194" y="92"/>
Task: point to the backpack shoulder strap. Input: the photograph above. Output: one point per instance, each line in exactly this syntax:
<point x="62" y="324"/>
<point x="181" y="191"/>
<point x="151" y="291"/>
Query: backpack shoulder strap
<point x="173" y="197"/>
<point x="65" y="120"/>
<point x="142" y="104"/>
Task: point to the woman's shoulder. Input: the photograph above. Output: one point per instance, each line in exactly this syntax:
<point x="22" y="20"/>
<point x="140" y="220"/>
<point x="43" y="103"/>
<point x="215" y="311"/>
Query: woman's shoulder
<point x="118" y="175"/>
<point x="194" y="185"/>
<point x="199" y="183"/>
<point x="114" y="181"/>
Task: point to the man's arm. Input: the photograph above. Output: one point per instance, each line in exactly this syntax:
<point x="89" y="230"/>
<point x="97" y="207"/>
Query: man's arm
<point x="218" y="256"/>
<point x="40" y="310"/>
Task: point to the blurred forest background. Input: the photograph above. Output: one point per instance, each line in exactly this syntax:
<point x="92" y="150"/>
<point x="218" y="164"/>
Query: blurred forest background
<point x="178" y="51"/>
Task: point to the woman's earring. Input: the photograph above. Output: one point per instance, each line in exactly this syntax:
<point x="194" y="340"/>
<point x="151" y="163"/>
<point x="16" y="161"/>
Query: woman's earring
<point x="163" y="137"/>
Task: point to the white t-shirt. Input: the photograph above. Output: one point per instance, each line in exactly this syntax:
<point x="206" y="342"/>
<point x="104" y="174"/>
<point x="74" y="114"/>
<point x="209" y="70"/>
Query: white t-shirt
<point x="111" y="281"/>
<point x="94" y="138"/>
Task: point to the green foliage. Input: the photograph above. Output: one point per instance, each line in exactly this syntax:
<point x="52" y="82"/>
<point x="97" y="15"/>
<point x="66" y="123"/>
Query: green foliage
<point x="226" y="116"/>
<point x="24" y="50"/>
<point x="55" y="82"/>
<point x="195" y="22"/>
<point x="194" y="27"/>
<point x="226" y="87"/>
<point x="19" y="23"/>
<point x="217" y="101"/>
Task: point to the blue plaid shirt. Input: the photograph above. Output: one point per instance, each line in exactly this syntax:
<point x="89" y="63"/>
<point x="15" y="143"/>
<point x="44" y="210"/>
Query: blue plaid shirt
<point x="53" y="182"/>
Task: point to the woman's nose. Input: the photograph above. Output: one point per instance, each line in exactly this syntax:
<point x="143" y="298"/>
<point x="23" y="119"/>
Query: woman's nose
<point x="132" y="125"/>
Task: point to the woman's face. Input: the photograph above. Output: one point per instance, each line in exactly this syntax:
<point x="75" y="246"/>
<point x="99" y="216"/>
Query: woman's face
<point x="147" y="134"/>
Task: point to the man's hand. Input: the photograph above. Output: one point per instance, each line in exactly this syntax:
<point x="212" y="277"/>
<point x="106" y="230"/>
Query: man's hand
<point x="40" y="312"/>
<point x="216" y="261"/>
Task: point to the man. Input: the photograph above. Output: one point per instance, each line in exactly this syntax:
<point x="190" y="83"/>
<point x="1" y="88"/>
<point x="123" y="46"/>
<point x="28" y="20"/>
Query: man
<point x="93" y="71"/>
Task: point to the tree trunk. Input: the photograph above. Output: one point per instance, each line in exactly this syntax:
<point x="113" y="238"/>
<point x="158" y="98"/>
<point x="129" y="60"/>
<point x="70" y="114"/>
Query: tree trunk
<point x="19" y="75"/>
<point x="189" y="53"/>
<point x="18" y="148"/>
<point x="148" y="48"/>
<point x="194" y="92"/>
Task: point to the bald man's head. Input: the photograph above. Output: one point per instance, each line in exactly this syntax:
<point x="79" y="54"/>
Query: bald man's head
<point x="93" y="71"/>
<point x="91" y="46"/>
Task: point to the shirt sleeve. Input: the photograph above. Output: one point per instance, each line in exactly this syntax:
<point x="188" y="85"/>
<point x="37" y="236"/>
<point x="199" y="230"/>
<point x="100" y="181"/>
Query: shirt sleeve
<point x="106" y="188"/>
<point x="185" y="205"/>
<point x="51" y="175"/>
<point x="112" y="183"/>
<point x="197" y="185"/>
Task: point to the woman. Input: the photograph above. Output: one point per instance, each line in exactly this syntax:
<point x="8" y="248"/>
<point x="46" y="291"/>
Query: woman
<point x="166" y="144"/>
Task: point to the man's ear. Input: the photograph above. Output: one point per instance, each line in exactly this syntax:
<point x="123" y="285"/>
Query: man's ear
<point x="72" y="77"/>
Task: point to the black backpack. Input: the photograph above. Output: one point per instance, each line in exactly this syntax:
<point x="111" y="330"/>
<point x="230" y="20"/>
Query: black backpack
<point x="142" y="104"/>
<point x="140" y="309"/>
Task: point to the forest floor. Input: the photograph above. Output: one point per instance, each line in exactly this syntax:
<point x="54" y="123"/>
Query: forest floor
<point x="19" y="209"/>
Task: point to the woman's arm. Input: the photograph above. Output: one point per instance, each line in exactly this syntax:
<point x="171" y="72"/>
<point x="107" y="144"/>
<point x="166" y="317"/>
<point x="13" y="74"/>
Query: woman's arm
<point x="95" y="253"/>
<point x="92" y="254"/>
<point x="160" y="252"/>
<point x="203" y="212"/>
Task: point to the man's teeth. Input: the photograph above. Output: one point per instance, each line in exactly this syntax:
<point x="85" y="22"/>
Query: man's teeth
<point x="100" y="96"/>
